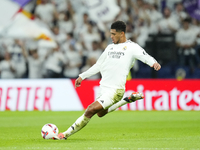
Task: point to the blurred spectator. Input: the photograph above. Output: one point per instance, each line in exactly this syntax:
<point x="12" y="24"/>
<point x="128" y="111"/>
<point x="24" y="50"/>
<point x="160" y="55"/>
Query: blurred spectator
<point x="96" y="51"/>
<point x="61" y="5"/>
<point x="171" y="4"/>
<point x="7" y="67"/>
<point x="74" y="61"/>
<point x="155" y="16"/>
<point x="4" y="44"/>
<point x="81" y="25"/>
<point x="54" y="64"/>
<point x="168" y="24"/>
<point x="196" y="26"/>
<point x="179" y="13"/>
<point x="129" y="30"/>
<point x="65" y="22"/>
<point x="89" y="36"/>
<point x="17" y="57"/>
<point x="35" y="62"/>
<point x="2" y="52"/>
<point x="70" y="39"/>
<point x="196" y="29"/>
<point x="123" y="15"/>
<point x="59" y="36"/>
<point x="47" y="12"/>
<point x="142" y="32"/>
<point x="144" y="13"/>
<point x="137" y="7"/>
<point x="186" y="42"/>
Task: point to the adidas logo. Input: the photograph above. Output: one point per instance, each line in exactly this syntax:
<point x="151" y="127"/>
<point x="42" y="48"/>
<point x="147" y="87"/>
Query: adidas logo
<point x="102" y="101"/>
<point x="111" y="48"/>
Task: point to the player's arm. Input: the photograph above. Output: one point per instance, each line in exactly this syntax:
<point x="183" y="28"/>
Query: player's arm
<point x="91" y="71"/>
<point x="141" y="54"/>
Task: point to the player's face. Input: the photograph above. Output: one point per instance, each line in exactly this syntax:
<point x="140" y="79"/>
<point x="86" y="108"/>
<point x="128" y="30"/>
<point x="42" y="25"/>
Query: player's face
<point x="115" y="36"/>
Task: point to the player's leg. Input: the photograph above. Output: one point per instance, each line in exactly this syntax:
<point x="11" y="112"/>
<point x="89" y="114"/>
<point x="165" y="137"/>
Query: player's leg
<point x="94" y="108"/>
<point x="82" y="121"/>
<point x="132" y="98"/>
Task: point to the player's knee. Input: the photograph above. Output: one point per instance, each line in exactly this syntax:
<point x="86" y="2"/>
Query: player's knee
<point x="90" y="108"/>
<point x="93" y="109"/>
<point x="90" y="111"/>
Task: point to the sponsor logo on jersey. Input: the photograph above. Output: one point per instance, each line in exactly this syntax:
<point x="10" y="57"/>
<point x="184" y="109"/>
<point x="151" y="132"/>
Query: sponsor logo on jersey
<point x="115" y="54"/>
<point x="102" y="101"/>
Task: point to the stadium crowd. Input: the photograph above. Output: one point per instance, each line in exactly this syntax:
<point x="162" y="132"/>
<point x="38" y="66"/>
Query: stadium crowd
<point x="81" y="39"/>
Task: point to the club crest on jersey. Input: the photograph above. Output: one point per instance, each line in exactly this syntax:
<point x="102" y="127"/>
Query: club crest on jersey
<point x="124" y="48"/>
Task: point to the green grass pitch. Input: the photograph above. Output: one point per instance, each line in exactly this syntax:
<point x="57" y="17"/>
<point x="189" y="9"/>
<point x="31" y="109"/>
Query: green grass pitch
<point x="120" y="130"/>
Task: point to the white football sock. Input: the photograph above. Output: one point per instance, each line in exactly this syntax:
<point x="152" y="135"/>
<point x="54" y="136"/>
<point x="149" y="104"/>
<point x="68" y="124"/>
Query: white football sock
<point x="78" y="125"/>
<point x="117" y="105"/>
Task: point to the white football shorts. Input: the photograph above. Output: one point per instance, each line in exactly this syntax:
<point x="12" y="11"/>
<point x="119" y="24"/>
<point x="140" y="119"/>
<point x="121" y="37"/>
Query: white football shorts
<point x="109" y="96"/>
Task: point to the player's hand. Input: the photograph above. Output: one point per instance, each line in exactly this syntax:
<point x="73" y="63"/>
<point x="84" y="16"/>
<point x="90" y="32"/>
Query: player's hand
<point x="156" y="66"/>
<point x="78" y="82"/>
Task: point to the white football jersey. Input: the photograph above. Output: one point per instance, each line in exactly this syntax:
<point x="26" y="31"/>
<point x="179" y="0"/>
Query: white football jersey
<point x="115" y="63"/>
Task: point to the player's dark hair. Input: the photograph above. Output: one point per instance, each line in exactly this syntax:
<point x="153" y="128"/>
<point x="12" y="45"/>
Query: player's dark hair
<point x="119" y="26"/>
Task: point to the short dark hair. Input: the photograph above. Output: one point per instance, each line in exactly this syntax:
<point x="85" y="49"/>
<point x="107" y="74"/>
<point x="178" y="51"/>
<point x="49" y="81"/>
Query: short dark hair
<point x="119" y="26"/>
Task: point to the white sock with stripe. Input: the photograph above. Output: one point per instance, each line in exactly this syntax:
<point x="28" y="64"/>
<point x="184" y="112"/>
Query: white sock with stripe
<point x="117" y="105"/>
<point x="78" y="125"/>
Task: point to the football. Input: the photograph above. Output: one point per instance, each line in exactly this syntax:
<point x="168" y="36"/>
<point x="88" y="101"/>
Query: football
<point x="49" y="131"/>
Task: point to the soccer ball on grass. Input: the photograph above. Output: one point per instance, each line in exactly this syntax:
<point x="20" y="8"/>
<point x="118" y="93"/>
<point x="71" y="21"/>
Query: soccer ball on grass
<point x="49" y="131"/>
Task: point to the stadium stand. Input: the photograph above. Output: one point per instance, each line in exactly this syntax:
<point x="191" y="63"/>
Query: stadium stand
<point x="153" y="24"/>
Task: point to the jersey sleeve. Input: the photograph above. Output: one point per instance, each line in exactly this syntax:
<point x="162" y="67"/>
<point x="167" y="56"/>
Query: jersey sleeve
<point x="142" y="55"/>
<point x="95" y="68"/>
